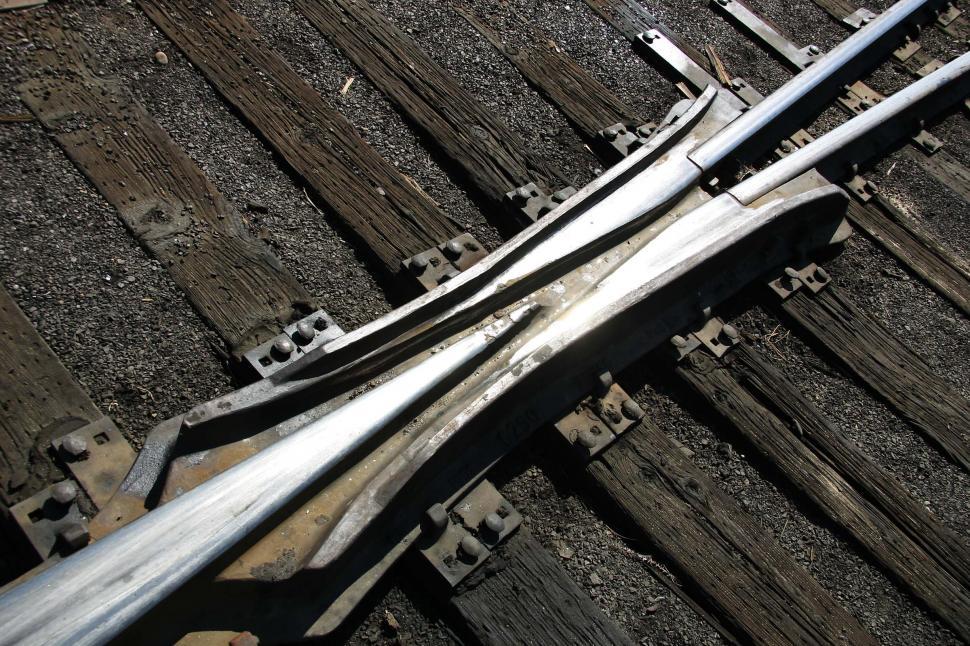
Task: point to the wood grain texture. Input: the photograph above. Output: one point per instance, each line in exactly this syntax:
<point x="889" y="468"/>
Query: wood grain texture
<point x="393" y="219"/>
<point x="233" y="280"/>
<point x="906" y="241"/>
<point x="748" y="580"/>
<point x="493" y="158"/>
<point x="890" y="368"/>
<point x="588" y="104"/>
<point x="38" y="398"/>
<point x="631" y="18"/>
<point x="773" y="390"/>
<point x="523" y="596"/>
<point x="873" y="529"/>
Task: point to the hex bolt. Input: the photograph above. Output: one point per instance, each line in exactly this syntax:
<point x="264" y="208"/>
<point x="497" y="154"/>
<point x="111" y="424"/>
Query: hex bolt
<point x="64" y="492"/>
<point x="814" y="50"/>
<point x="454" y="249"/>
<point x="470" y="548"/>
<point x="586" y="438"/>
<point x="305" y="330"/>
<point x="522" y="195"/>
<point x="821" y="274"/>
<point x="611" y="134"/>
<point x="631" y="410"/>
<point x="74" y="536"/>
<point x="678" y="341"/>
<point x="74" y="446"/>
<point x="791" y="272"/>
<point x="284" y="345"/>
<point x="731" y="332"/>
<point x="787" y="146"/>
<point x="650" y="36"/>
<point x="645" y="130"/>
<point x="419" y="264"/>
<point x="435" y="519"/>
<point x="494" y="523"/>
<point x="737" y="84"/>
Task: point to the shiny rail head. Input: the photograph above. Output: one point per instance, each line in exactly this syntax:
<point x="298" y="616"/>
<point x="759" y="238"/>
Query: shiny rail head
<point x="810" y="90"/>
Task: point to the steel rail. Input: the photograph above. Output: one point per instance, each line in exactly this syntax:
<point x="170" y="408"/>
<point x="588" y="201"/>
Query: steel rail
<point x="951" y="77"/>
<point x="93" y="595"/>
<point x="626" y="197"/>
<point x="113" y="582"/>
<point x="697" y="235"/>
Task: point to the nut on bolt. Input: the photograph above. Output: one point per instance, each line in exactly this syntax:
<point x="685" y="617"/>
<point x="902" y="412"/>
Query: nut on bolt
<point x="74" y="446"/>
<point x="74" y="536"/>
<point x="435" y="518"/>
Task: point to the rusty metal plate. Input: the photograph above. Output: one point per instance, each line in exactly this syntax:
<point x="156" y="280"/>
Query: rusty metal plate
<point x="906" y="51"/>
<point x="463" y="251"/>
<point x="98" y="457"/>
<point x="456" y="544"/>
<point x="293" y="342"/>
<point x="51" y="521"/>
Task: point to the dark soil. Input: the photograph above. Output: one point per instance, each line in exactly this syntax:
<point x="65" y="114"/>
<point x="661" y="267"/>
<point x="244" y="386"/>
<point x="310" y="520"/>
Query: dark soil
<point x="120" y="325"/>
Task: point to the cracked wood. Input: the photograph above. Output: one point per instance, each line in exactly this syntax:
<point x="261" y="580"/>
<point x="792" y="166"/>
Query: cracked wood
<point x="368" y="195"/>
<point x="523" y="596"/>
<point x="873" y="529"/>
<point x="493" y="158"/>
<point x="233" y="280"/>
<point x="890" y="368"/>
<point x="739" y="571"/>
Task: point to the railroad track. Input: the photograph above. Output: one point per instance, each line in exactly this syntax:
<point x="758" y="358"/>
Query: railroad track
<point x="826" y="434"/>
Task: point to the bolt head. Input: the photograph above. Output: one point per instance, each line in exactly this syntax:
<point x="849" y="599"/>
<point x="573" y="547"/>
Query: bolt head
<point x="435" y="518"/>
<point x="737" y="84"/>
<point x="419" y="264"/>
<point x="631" y="410"/>
<point x="813" y="50"/>
<point x="470" y="548"/>
<point x="74" y="536"/>
<point x="731" y="332"/>
<point x="454" y="249"/>
<point x="284" y="345"/>
<point x="305" y="330"/>
<point x="645" y="130"/>
<point x="64" y="492"/>
<point x="787" y="146"/>
<point x="611" y="134"/>
<point x="522" y="195"/>
<point x="821" y="274"/>
<point x="494" y="523"/>
<point x="74" y="445"/>
<point x="678" y="341"/>
<point x="586" y="438"/>
<point x="723" y="2"/>
<point x="791" y="272"/>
